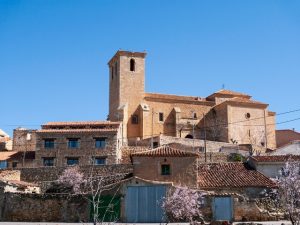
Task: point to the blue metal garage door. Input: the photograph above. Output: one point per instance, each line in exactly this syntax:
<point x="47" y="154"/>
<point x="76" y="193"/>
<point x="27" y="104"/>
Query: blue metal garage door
<point x="222" y="208"/>
<point x="142" y="204"/>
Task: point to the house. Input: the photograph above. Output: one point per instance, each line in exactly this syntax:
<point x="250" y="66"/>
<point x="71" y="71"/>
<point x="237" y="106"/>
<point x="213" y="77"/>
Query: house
<point x="226" y="115"/>
<point x="233" y="190"/>
<point x="166" y="164"/>
<point x="292" y="148"/>
<point x="271" y="165"/>
<point x="285" y="137"/>
<point x="17" y="186"/>
<point x="71" y="143"/>
<point x="5" y="141"/>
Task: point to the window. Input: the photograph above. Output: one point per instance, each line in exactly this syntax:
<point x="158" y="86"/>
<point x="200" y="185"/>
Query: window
<point x="48" y="161"/>
<point x="247" y="115"/>
<point x="3" y="164"/>
<point x="135" y="119"/>
<point x="116" y="68"/>
<point x="72" y="161"/>
<point x="195" y="115"/>
<point x="73" y="143"/>
<point x="155" y="144"/>
<point x="112" y="72"/>
<point x="161" y="117"/>
<point x="165" y="170"/>
<point x="99" y="161"/>
<point x="49" y="143"/>
<point x="100" y="142"/>
<point x="14" y="164"/>
<point x="132" y="65"/>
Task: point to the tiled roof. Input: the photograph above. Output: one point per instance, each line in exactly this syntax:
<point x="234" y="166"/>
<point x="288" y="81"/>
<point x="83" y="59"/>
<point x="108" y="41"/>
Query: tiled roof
<point x="16" y="155"/>
<point x="21" y="183"/>
<point x="165" y="151"/>
<point x="5" y="155"/>
<point x="275" y="158"/>
<point x="245" y="100"/>
<point x="82" y="123"/>
<point x="76" y="130"/>
<point x="229" y="92"/>
<point x="231" y="175"/>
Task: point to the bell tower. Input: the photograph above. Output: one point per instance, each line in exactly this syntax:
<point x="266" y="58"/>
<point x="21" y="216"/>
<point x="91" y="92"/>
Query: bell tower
<point x="126" y="83"/>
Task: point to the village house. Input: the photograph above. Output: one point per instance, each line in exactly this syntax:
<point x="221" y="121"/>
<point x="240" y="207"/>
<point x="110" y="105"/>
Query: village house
<point x="271" y="165"/>
<point x="285" y="137"/>
<point x="226" y="115"/>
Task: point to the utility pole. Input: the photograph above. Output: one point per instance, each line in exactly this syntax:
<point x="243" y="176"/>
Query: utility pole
<point x="152" y="129"/>
<point x="204" y="125"/>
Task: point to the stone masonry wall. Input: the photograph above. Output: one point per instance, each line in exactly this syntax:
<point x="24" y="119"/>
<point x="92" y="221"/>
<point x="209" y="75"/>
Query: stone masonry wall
<point x="43" y="208"/>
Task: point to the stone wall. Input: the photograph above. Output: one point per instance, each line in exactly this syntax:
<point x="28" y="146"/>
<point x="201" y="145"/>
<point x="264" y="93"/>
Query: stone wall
<point x="43" y="208"/>
<point x="52" y="173"/>
<point x="24" y="140"/>
<point x="84" y="153"/>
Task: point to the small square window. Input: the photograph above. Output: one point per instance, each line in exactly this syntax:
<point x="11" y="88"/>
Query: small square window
<point x="99" y="161"/>
<point x="165" y="170"/>
<point x="73" y="143"/>
<point x="72" y="161"/>
<point x="14" y="164"/>
<point x="100" y="142"/>
<point x="161" y="117"/>
<point x="48" y="161"/>
<point x="135" y="119"/>
<point x="49" y="143"/>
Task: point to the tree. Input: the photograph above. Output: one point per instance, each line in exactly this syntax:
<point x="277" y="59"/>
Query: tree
<point x="91" y="186"/>
<point x="289" y="191"/>
<point x="183" y="204"/>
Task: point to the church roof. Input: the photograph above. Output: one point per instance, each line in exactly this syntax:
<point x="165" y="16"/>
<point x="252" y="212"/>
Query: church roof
<point x="165" y="151"/>
<point x="228" y="93"/>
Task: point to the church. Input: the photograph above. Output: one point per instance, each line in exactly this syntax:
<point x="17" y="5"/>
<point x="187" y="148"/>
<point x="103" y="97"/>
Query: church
<point x="223" y="116"/>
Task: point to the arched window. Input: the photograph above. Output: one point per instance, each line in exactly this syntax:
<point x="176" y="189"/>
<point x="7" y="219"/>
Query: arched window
<point x="132" y="65"/>
<point x="189" y="136"/>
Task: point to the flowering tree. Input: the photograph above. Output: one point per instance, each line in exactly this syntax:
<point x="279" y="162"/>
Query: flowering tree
<point x="91" y="186"/>
<point x="72" y="178"/>
<point x="183" y="204"/>
<point x="289" y="191"/>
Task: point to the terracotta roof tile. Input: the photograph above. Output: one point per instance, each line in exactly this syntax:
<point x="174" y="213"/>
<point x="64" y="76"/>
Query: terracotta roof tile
<point x="165" y="151"/>
<point x="229" y="92"/>
<point x="76" y="130"/>
<point x="74" y="123"/>
<point x="275" y="158"/>
<point x="5" y="155"/>
<point x="231" y="175"/>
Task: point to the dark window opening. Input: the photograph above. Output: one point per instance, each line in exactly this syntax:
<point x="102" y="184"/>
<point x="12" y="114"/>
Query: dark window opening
<point x="161" y="117"/>
<point x="165" y="170"/>
<point x="100" y="142"/>
<point x="189" y="136"/>
<point x="14" y="164"/>
<point x="195" y="115"/>
<point x="135" y="119"/>
<point x="99" y="161"/>
<point x="248" y="115"/>
<point x="132" y="65"/>
<point x="49" y="143"/>
<point x="155" y="144"/>
<point x="48" y="161"/>
<point x="73" y="143"/>
<point x="72" y="161"/>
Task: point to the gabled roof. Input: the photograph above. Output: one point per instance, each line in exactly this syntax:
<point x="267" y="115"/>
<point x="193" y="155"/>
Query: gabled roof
<point x="231" y="175"/>
<point x="275" y="158"/>
<point x="165" y="151"/>
<point x="228" y="93"/>
<point x="81" y="123"/>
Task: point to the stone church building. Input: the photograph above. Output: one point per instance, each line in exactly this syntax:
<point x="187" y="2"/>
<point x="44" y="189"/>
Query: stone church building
<point x="225" y="115"/>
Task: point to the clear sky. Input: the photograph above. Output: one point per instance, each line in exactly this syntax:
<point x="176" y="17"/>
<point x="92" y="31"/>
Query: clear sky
<point x="54" y="53"/>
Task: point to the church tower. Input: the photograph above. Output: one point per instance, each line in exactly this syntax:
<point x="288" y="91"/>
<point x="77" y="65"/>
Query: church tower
<point x="126" y="84"/>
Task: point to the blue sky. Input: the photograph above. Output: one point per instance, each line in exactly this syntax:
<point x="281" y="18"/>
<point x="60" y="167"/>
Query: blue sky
<point x="54" y="54"/>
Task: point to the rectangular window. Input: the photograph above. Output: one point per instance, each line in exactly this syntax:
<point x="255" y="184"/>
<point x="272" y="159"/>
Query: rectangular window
<point x="135" y="119"/>
<point x="49" y="143"/>
<point x="161" y="117"/>
<point x="14" y="164"/>
<point x="48" y="161"/>
<point x="165" y="170"/>
<point x="100" y="142"/>
<point x="72" y="161"/>
<point x="3" y="164"/>
<point x="99" y="161"/>
<point x="73" y="143"/>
